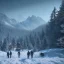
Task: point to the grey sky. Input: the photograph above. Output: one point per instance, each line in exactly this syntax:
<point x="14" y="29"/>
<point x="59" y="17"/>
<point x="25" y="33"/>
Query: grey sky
<point x="21" y="9"/>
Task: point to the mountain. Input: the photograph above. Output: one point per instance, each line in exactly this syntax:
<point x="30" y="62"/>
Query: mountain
<point x="19" y="29"/>
<point x="4" y="20"/>
<point x="40" y="28"/>
<point x="31" y="23"/>
<point x="7" y="26"/>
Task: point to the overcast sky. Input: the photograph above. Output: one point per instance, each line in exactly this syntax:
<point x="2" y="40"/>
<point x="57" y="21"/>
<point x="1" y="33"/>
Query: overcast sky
<point x="21" y="9"/>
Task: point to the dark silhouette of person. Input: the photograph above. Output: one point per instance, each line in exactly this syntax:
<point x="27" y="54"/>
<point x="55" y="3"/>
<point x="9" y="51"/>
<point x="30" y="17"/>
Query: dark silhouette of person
<point x="28" y="54"/>
<point x="10" y="54"/>
<point x="32" y="54"/>
<point x="18" y="54"/>
<point x="41" y="54"/>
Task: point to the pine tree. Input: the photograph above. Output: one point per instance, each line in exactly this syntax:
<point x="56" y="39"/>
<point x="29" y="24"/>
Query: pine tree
<point x="18" y="45"/>
<point x="0" y="44"/>
<point x="53" y="14"/>
<point x="10" y="46"/>
<point x="26" y="43"/>
<point x="45" y="45"/>
<point x="52" y="30"/>
<point x="61" y="11"/>
<point x="4" y="45"/>
<point x="61" y="39"/>
<point x="13" y="43"/>
<point x="60" y="22"/>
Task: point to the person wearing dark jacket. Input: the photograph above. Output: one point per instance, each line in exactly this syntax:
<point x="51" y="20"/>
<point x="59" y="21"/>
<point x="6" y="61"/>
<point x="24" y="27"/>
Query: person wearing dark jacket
<point x="32" y="54"/>
<point x="18" y="54"/>
<point x="28" y="54"/>
<point x="10" y="54"/>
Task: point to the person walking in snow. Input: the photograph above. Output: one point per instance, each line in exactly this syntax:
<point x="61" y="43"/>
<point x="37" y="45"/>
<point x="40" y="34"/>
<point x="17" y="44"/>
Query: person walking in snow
<point x="28" y="54"/>
<point x="10" y="54"/>
<point x="18" y="54"/>
<point x="32" y="54"/>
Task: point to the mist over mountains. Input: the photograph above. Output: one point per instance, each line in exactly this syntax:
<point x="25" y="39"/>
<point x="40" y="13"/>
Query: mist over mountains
<point x="18" y="29"/>
<point x="32" y="23"/>
<point x="29" y="24"/>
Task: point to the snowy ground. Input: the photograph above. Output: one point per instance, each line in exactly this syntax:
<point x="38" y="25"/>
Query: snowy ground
<point x="52" y="56"/>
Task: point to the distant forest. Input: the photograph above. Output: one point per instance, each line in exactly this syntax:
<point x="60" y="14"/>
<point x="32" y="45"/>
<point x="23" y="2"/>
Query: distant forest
<point x="50" y="37"/>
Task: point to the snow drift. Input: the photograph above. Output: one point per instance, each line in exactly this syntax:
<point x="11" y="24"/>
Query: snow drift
<point x="52" y="56"/>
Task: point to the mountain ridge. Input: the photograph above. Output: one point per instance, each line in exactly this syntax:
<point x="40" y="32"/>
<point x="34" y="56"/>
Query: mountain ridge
<point x="31" y="23"/>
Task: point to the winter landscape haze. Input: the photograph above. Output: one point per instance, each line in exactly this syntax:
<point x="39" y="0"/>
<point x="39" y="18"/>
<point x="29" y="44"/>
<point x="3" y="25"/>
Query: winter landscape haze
<point x="32" y="32"/>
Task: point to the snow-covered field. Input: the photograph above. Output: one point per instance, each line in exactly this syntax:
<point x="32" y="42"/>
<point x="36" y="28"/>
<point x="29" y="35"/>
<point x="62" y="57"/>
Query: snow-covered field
<point x="52" y="56"/>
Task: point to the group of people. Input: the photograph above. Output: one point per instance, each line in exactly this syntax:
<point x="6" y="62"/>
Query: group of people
<point x="30" y="53"/>
<point x="9" y="54"/>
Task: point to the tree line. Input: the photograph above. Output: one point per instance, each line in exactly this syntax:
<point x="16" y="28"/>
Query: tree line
<point x="52" y="37"/>
<point x="55" y="28"/>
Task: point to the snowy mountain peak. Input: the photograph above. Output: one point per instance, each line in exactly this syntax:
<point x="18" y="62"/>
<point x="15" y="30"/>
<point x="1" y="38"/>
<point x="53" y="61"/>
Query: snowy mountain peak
<point x="4" y="20"/>
<point x="34" y="19"/>
<point x="32" y="22"/>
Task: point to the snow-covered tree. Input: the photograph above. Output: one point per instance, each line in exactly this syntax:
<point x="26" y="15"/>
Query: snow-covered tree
<point x="0" y="44"/>
<point x="61" y="40"/>
<point x="4" y="45"/>
<point x="13" y="43"/>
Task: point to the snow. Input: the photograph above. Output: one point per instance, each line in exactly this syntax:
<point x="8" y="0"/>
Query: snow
<point x="6" y="23"/>
<point x="47" y="59"/>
